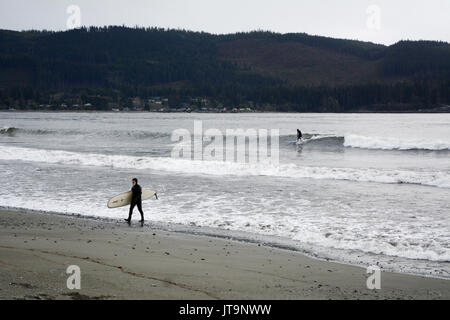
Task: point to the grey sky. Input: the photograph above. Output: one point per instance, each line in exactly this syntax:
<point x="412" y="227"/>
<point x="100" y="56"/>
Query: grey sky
<point x="399" y="19"/>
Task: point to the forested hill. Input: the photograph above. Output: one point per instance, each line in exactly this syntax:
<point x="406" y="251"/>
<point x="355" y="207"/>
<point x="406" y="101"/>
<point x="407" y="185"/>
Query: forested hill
<point x="111" y="66"/>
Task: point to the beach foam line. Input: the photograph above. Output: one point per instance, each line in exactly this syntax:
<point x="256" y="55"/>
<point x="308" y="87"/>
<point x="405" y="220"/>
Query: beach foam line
<point x="220" y="168"/>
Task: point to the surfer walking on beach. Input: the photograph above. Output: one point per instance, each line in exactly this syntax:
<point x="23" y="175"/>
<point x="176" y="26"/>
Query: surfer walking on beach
<point x="136" y="200"/>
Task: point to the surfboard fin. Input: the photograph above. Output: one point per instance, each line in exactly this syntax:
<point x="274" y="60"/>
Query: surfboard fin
<point x="156" y="195"/>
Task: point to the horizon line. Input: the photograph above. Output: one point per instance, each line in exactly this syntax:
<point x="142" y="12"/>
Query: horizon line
<point x="218" y="33"/>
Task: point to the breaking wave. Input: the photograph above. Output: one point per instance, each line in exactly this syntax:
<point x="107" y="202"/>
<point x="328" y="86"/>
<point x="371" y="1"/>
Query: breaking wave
<point x="319" y="140"/>
<point x="365" y="142"/>
<point x="436" y="179"/>
<point x="371" y="142"/>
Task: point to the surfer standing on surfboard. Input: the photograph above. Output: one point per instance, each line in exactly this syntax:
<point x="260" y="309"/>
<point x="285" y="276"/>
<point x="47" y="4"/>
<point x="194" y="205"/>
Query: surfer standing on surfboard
<point x="299" y="135"/>
<point x="136" y="200"/>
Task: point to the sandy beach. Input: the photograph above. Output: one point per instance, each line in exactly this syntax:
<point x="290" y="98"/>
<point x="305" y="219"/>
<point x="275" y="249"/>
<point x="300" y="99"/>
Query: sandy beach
<point x="122" y="262"/>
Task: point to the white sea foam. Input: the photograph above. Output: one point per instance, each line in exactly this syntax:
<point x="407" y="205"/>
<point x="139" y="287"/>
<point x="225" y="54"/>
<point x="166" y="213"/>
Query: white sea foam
<point x="304" y="222"/>
<point x="429" y="178"/>
<point x="389" y="143"/>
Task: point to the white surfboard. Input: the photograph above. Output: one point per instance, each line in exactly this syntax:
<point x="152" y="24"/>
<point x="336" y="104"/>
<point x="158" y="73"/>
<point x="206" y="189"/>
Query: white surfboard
<point x="124" y="199"/>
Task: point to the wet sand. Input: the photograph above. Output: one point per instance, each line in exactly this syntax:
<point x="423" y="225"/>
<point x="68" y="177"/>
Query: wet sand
<point x="118" y="261"/>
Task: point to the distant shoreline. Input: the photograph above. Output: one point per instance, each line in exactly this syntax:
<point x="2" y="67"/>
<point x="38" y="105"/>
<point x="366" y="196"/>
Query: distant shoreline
<point x="116" y="67"/>
<point x="206" y="112"/>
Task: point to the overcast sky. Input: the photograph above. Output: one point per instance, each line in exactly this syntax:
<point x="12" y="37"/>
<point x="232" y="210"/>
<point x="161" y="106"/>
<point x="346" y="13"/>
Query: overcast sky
<point x="380" y="21"/>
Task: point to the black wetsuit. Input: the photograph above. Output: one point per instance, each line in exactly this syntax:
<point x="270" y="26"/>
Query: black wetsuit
<point x="299" y="135"/>
<point x="136" y="200"/>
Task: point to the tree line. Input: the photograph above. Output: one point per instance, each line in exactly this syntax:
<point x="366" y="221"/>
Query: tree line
<point x="114" y="64"/>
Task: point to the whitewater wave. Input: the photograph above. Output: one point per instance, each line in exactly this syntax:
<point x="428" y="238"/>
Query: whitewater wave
<point x="187" y="166"/>
<point x="387" y="143"/>
<point x="321" y="139"/>
<point x="372" y="142"/>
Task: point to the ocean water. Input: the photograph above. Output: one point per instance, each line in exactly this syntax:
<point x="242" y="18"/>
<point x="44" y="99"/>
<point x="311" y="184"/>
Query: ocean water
<point x="363" y="189"/>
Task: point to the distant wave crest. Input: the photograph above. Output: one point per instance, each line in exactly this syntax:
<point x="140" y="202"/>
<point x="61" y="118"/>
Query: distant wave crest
<point x="135" y="134"/>
<point x="7" y="130"/>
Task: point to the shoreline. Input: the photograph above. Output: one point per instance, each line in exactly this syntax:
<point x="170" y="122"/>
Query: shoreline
<point x="244" y="237"/>
<point x="122" y="262"/>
